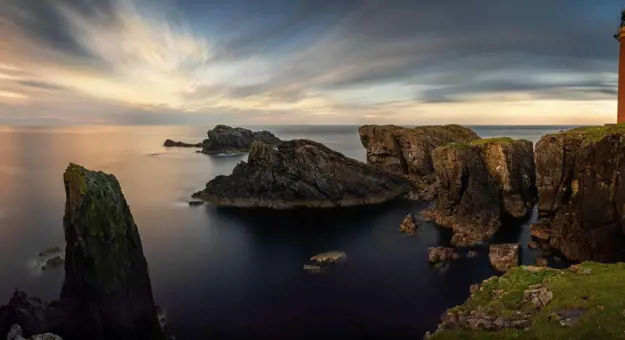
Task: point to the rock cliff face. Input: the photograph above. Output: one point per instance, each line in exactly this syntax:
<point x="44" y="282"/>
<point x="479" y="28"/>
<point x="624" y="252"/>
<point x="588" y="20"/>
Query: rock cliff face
<point x="408" y="151"/>
<point x="107" y="292"/>
<point x="225" y="139"/>
<point x="481" y="182"/>
<point x="302" y="173"/>
<point x="581" y="183"/>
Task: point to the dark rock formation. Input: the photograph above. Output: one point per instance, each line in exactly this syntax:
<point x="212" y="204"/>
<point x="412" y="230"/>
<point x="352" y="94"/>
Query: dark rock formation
<point x="302" y="173"/>
<point x="409" y="225"/>
<point x="170" y="143"/>
<point x="581" y="183"/>
<point x="107" y="292"/>
<point x="442" y="254"/>
<point x="481" y="183"/>
<point x="225" y="139"/>
<point x="504" y="257"/>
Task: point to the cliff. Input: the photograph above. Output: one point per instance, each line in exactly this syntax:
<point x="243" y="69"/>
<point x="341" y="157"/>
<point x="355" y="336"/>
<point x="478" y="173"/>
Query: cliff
<point x="302" y="173"/>
<point x="580" y="178"/>
<point x="480" y="183"/>
<point x="583" y="302"/>
<point x="225" y="139"/>
<point x="106" y="293"/>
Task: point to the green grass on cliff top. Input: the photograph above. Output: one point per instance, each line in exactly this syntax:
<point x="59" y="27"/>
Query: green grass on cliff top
<point x="596" y="133"/>
<point x="600" y="292"/>
<point x="480" y="141"/>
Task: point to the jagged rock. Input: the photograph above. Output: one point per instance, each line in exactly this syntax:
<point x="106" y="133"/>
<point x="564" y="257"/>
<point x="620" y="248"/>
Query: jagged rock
<point x="30" y="313"/>
<point x="328" y="258"/>
<point x="481" y="182"/>
<point x="538" y="295"/>
<point x="302" y="173"/>
<point x="409" y="225"/>
<point x="542" y="262"/>
<point x="170" y="143"/>
<point x="540" y="229"/>
<point x="442" y="254"/>
<point x="581" y="183"/>
<point x="225" y="139"/>
<point x="106" y="279"/>
<point x="504" y="257"/>
<point x="407" y="150"/>
<point x="568" y="317"/>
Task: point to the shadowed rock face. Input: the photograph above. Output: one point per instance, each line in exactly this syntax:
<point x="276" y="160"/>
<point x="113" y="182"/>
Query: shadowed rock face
<point x="225" y="139"/>
<point x="408" y="151"/>
<point x="480" y="183"/>
<point x="581" y="183"/>
<point x="107" y="292"/>
<point x="302" y="173"/>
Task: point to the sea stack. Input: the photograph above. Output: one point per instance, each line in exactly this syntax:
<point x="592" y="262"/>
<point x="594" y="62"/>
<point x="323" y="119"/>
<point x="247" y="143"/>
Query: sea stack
<point x="480" y="183"/>
<point x="302" y="173"/>
<point x="581" y="183"/>
<point x="107" y="292"/>
<point x="223" y="139"/>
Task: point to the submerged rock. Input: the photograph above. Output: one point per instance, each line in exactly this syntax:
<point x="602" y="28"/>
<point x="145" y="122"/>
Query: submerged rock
<point x="442" y="254"/>
<point x="581" y="182"/>
<point x="302" y="173"/>
<point x="107" y="292"/>
<point x="328" y="258"/>
<point x="51" y="251"/>
<point x="409" y="225"/>
<point x="504" y="257"/>
<point x="223" y="139"/>
<point x="54" y="262"/>
<point x="170" y="143"/>
<point x="480" y="183"/>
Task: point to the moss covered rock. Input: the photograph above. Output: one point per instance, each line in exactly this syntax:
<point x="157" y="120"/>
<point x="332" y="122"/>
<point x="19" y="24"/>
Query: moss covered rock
<point x="583" y="302"/>
<point x="581" y="183"/>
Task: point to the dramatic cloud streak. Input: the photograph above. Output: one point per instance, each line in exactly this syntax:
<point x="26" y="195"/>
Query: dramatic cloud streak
<point x="305" y="61"/>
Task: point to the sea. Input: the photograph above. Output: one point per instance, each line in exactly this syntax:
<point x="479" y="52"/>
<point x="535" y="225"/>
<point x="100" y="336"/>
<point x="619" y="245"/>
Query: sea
<point x="230" y="274"/>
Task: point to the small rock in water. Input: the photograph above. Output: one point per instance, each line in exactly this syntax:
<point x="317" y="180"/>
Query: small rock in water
<point x="54" y="262"/>
<point x="328" y="258"/>
<point x="442" y="254"/>
<point x="195" y="203"/>
<point x="409" y="225"/>
<point x="472" y="254"/>
<point x="312" y="268"/>
<point x="51" y="251"/>
<point x="533" y="245"/>
<point x="504" y="257"/>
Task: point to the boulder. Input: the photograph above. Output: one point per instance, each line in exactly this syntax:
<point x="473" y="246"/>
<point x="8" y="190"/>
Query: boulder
<point x="170" y="143"/>
<point x="302" y="173"/>
<point x="479" y="184"/>
<point x="442" y="254"/>
<point x="409" y="225"/>
<point x="106" y="293"/>
<point x="581" y="183"/>
<point x="225" y="139"/>
<point x="504" y="257"/>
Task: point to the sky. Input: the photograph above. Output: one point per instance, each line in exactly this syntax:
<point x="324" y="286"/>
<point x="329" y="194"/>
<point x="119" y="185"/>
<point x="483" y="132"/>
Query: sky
<point x="530" y="62"/>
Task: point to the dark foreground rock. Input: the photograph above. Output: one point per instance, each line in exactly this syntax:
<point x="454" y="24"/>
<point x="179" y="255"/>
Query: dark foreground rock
<point x="225" y="139"/>
<point x="302" y="173"/>
<point x="480" y="184"/>
<point x="541" y="303"/>
<point x="581" y="183"/>
<point x="170" y="143"/>
<point x="106" y="293"/>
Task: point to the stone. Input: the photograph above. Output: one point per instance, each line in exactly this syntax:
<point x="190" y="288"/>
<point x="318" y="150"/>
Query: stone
<point x="196" y="203"/>
<point x="504" y="257"/>
<point x="472" y="254"/>
<point x="542" y="262"/>
<point x="474" y="288"/>
<point x="481" y="182"/>
<point x="328" y="258"/>
<point x="223" y="139"/>
<point x="568" y="317"/>
<point x="409" y="225"/>
<point x="54" y="262"/>
<point x="538" y="295"/>
<point x="533" y="245"/>
<point x="581" y="183"/>
<point x="170" y="143"/>
<point x="442" y="254"/>
<point x="31" y="314"/>
<point x="540" y="229"/>
<point x="302" y="173"/>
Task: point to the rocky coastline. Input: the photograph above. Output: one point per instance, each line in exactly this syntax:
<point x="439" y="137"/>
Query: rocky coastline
<point x="106" y="293"/>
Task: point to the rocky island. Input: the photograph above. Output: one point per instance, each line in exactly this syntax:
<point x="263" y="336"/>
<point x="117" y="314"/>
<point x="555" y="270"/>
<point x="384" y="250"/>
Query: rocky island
<point x="581" y="183"/>
<point x="223" y="139"/>
<point x="302" y="173"/>
<point x="170" y="144"/>
<point x="480" y="184"/>
<point x="408" y="151"/>
<point x="107" y="292"/>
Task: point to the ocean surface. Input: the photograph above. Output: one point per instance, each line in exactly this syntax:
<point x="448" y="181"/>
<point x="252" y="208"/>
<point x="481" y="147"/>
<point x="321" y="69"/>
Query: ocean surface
<point x="224" y="274"/>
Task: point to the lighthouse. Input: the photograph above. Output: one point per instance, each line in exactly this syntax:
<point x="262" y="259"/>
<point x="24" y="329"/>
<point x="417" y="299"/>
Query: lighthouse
<point x="620" y="34"/>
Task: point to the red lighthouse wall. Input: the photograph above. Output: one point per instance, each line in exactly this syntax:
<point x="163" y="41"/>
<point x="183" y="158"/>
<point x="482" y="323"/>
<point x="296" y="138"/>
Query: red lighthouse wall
<point x="621" y="83"/>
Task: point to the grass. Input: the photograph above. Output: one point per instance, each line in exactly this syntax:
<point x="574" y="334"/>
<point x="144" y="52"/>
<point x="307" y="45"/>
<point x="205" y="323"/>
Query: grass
<point x="593" y="134"/>
<point x="492" y="140"/>
<point x="600" y="292"/>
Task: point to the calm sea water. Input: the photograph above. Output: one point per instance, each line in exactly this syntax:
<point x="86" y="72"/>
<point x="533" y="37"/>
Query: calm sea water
<point x="225" y="274"/>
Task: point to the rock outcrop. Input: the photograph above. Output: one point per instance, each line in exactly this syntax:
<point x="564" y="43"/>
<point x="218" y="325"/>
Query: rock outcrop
<point x="170" y="143"/>
<point x="442" y="254"/>
<point x="504" y="257"/>
<point x="541" y="303"/>
<point x="409" y="225"/>
<point x="225" y="139"/>
<point x="107" y="292"/>
<point x="302" y="173"/>
<point x="581" y="183"/>
<point x="480" y="184"/>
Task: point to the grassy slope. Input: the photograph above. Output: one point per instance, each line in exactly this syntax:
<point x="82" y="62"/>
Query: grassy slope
<point x="602" y="292"/>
